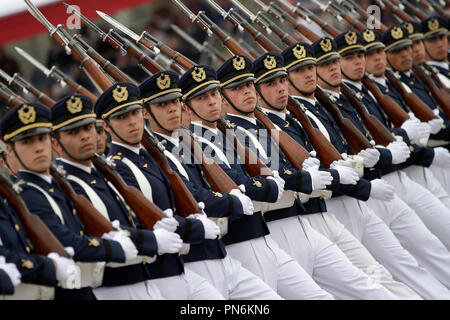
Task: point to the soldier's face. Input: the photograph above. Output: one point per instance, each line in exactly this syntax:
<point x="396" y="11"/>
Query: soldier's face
<point x="275" y="91"/>
<point x="101" y="140"/>
<point x="437" y="48"/>
<point x="401" y="60"/>
<point x="331" y="72"/>
<point x="208" y="105"/>
<point x="35" y="152"/>
<point x="304" y="78"/>
<point x="129" y="126"/>
<point x="418" y="50"/>
<point x="242" y="96"/>
<point x="79" y="142"/>
<point x="353" y="65"/>
<point x="168" y="114"/>
<point x="376" y="62"/>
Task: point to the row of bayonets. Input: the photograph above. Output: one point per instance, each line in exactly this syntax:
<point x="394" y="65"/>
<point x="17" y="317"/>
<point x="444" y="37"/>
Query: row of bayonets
<point x="147" y="48"/>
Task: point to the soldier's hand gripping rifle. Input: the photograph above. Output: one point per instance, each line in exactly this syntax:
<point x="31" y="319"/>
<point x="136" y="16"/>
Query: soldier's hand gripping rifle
<point x="57" y="75"/>
<point x="42" y="239"/>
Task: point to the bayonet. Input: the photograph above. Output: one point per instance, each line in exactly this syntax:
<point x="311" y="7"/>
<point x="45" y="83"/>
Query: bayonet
<point x="15" y="80"/>
<point x="194" y="17"/>
<point x="252" y="17"/>
<point x="224" y="13"/>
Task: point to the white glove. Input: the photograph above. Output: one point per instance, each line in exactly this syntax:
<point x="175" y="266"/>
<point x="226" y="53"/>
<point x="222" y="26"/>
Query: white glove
<point x="310" y="162"/>
<point x="381" y="190"/>
<point x="168" y="213"/>
<point x="125" y="242"/>
<point x="399" y="150"/>
<point x="66" y="270"/>
<point x="11" y="271"/>
<point x="347" y="175"/>
<point x="246" y="202"/>
<point x="211" y="228"/>
<point x="341" y="162"/>
<point x="441" y="157"/>
<point x="320" y="179"/>
<point x="169" y="224"/>
<point x="415" y="129"/>
<point x="279" y="181"/>
<point x="370" y="156"/>
<point x="168" y="242"/>
<point x="436" y="124"/>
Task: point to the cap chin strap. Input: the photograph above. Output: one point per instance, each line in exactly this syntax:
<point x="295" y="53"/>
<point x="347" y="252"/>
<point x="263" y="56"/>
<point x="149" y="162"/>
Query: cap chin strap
<point x="354" y="80"/>
<point x="265" y="100"/>
<point x="304" y="93"/>
<point x="67" y="152"/>
<point x="21" y="162"/>
<point x="428" y="53"/>
<point x="118" y="136"/>
<point x="147" y="107"/>
<point x="192" y="109"/>
<point x="327" y="83"/>
<point x="233" y="106"/>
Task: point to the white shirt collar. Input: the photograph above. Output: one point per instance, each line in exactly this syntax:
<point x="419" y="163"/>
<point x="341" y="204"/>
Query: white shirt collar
<point x="77" y="165"/>
<point x="174" y="141"/>
<point x="333" y="93"/>
<point x="46" y="177"/>
<point x="281" y="115"/>
<point x="197" y="123"/>
<point x="356" y="84"/>
<point x="439" y="64"/>
<point x="381" y="80"/>
<point x="407" y="73"/>
<point x="252" y="120"/>
<point x="134" y="149"/>
<point x="312" y="101"/>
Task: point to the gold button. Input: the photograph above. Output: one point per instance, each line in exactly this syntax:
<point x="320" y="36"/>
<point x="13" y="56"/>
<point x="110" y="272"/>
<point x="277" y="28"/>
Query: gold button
<point x="262" y="213"/>
<point x="321" y="197"/>
<point x="411" y="148"/>
<point x="74" y="212"/>
<point x="16" y="226"/>
<point x="144" y="260"/>
<point x="81" y="233"/>
<point x="28" y="249"/>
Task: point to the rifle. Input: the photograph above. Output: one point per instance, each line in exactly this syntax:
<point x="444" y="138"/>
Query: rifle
<point x="435" y="75"/>
<point x="146" y="211"/>
<point x="395" y="113"/>
<point x="440" y="94"/>
<point x="325" y="150"/>
<point x="335" y="11"/>
<point x="361" y="12"/>
<point x="210" y="27"/>
<point x="416" y="11"/>
<point x="20" y="83"/>
<point x="185" y="203"/>
<point x="9" y="97"/>
<point x="417" y="106"/>
<point x="42" y="239"/>
<point x="355" y="138"/>
<point x="216" y="177"/>
<point x="379" y="132"/>
<point x="96" y="224"/>
<point x="295" y="153"/>
<point x="396" y="10"/>
<point x="253" y="165"/>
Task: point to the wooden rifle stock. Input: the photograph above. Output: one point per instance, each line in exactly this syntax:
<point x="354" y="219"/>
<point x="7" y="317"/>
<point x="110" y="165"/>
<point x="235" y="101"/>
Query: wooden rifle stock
<point x="216" y="177"/>
<point x="440" y="94"/>
<point x="417" y="106"/>
<point x="295" y="153"/>
<point x="395" y="113"/>
<point x="396" y="10"/>
<point x="356" y="140"/>
<point x="253" y="165"/>
<point x="326" y="152"/>
<point x="379" y="132"/>
<point x="78" y="88"/>
<point x="146" y="211"/>
<point x="9" y="97"/>
<point x="184" y="200"/>
<point x="94" y="222"/>
<point x="42" y="239"/>
<point x="433" y="71"/>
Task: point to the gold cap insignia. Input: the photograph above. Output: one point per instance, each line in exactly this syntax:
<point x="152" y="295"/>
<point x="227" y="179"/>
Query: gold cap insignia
<point x="120" y="94"/>
<point x="163" y="81"/>
<point x="74" y="104"/>
<point x="350" y="37"/>
<point x="433" y="24"/>
<point x="256" y="183"/>
<point x="239" y="63"/>
<point x="299" y="51"/>
<point x="396" y="33"/>
<point x="27" y="114"/>
<point x="326" y="45"/>
<point x="93" y="242"/>
<point x="409" y="27"/>
<point x="270" y="62"/>
<point x="198" y="74"/>
<point x="28" y="264"/>
<point x="369" y="35"/>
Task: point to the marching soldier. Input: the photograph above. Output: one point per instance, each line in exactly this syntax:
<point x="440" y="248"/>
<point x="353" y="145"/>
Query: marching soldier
<point x="121" y="109"/>
<point x="434" y="30"/>
<point x="26" y="131"/>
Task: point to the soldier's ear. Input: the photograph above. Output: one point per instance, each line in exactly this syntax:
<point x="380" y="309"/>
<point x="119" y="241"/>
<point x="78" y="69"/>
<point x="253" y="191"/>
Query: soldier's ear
<point x="55" y="145"/>
<point x="186" y="109"/>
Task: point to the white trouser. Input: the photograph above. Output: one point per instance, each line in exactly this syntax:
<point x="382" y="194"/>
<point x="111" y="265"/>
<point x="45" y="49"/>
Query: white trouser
<point x="274" y="266"/>
<point x="232" y="280"/>
<point x="431" y="255"/>
<point x="434" y="214"/>
<point x="443" y="176"/>
<point x="373" y="241"/>
<point x="324" y="261"/>
<point x="186" y="286"/>
<point x="143" y="290"/>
